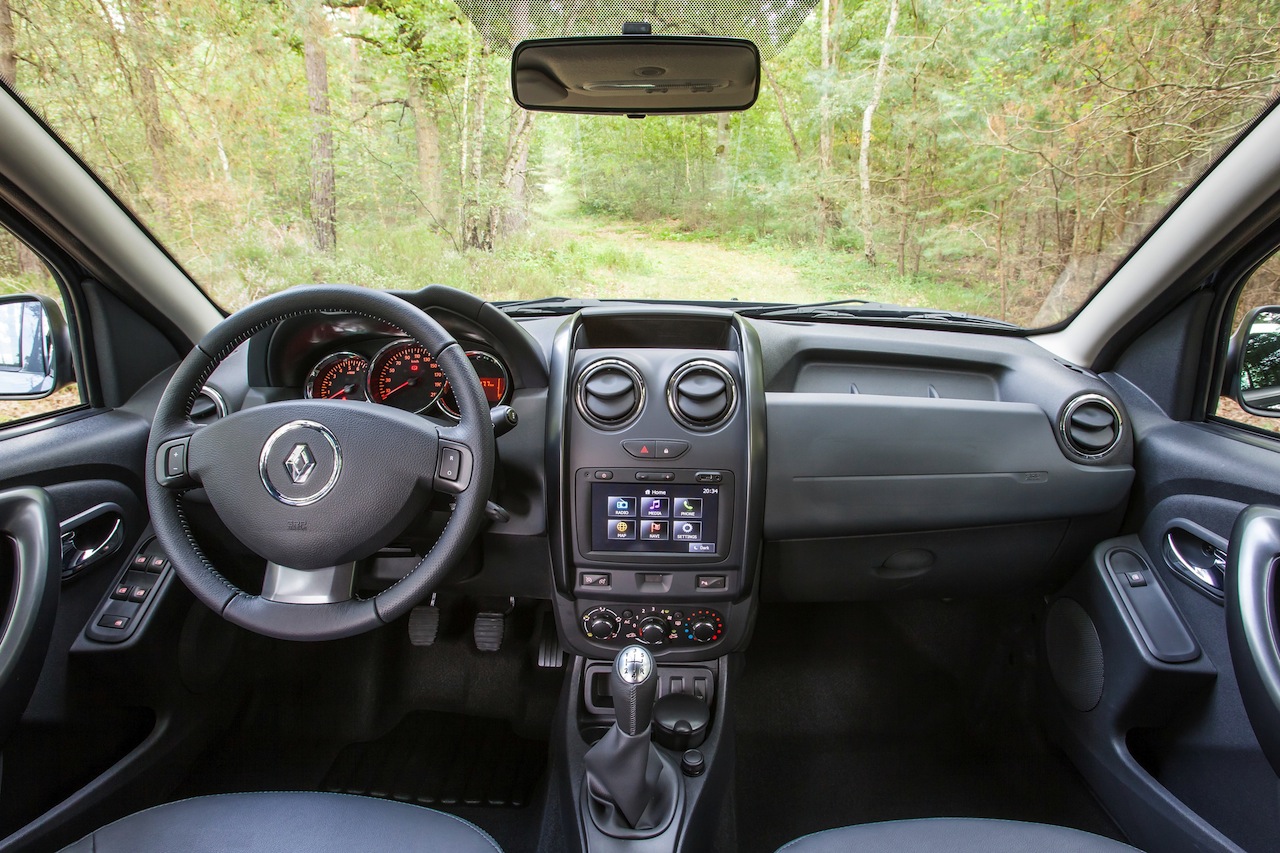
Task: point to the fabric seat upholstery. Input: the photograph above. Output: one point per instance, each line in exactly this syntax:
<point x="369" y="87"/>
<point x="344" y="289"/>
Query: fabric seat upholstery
<point x="954" y="835"/>
<point x="287" y="822"/>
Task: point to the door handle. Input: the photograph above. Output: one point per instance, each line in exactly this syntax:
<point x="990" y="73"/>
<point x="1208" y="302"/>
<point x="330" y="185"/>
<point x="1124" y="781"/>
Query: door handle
<point x="90" y="538"/>
<point x="1197" y="560"/>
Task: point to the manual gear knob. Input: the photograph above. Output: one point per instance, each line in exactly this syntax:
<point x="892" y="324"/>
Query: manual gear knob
<point x="634" y="680"/>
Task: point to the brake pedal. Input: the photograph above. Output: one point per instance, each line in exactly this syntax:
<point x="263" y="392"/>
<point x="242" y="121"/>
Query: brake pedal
<point x="489" y="631"/>
<point x="424" y="624"/>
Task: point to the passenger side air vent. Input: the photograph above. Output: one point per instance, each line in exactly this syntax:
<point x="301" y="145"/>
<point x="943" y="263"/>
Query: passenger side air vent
<point x="209" y="406"/>
<point x="701" y="395"/>
<point x="1091" y="426"/>
<point x="610" y="393"/>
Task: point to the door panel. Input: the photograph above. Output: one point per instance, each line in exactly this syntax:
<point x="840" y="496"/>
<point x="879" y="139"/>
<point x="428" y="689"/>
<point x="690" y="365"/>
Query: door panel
<point x="1170" y="748"/>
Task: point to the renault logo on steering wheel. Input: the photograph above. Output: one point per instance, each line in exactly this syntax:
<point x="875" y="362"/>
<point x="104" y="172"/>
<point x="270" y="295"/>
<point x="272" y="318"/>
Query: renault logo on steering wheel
<point x="297" y="458"/>
<point x="300" y="463"/>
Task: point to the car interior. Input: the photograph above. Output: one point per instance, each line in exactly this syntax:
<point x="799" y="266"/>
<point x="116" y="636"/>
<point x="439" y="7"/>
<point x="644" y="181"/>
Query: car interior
<point x="360" y="569"/>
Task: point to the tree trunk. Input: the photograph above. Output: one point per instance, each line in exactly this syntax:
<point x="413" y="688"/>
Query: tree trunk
<point x="515" y="173"/>
<point x="28" y="262"/>
<point x="324" y="214"/>
<point x="426" y="136"/>
<point x="782" y="112"/>
<point x="864" y="141"/>
<point x="8" y="46"/>
<point x="477" y="218"/>
<point x="147" y="95"/>
<point x="829" y="216"/>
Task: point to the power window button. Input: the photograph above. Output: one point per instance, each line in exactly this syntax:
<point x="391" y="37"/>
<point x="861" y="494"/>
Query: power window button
<point x="118" y="623"/>
<point x="121" y="592"/>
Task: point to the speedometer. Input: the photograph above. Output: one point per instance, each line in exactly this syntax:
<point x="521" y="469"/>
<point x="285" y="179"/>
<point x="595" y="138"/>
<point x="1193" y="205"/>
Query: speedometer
<point x="341" y="376"/>
<point x="405" y="375"/>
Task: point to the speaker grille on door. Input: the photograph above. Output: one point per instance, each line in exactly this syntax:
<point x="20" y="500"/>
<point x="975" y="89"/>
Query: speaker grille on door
<point x="1075" y="654"/>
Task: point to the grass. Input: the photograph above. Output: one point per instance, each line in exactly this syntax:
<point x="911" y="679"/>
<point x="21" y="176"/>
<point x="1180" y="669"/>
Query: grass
<point x="570" y="254"/>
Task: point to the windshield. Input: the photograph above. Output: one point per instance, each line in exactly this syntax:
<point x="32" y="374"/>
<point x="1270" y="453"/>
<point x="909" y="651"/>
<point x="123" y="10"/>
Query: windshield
<point x="992" y="157"/>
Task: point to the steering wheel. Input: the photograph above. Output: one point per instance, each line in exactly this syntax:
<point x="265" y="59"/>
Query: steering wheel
<point x="314" y="485"/>
<point x="1253" y="629"/>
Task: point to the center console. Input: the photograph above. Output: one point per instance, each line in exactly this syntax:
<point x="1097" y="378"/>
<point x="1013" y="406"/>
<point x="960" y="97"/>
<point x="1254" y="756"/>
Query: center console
<point x="658" y="454"/>
<point x="655" y="465"/>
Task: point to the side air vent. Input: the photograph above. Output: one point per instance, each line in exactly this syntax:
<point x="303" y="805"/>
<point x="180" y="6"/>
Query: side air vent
<point x="610" y="393"/>
<point x="1091" y="426"/>
<point x="701" y="395"/>
<point x="209" y="406"/>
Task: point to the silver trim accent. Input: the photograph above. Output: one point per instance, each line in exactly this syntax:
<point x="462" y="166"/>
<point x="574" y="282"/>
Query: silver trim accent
<point x="311" y="586"/>
<point x="266" y="451"/>
<point x="331" y="359"/>
<point x="589" y="371"/>
<point x="506" y="384"/>
<point x="215" y="396"/>
<point x="730" y="383"/>
<point x="1071" y="408"/>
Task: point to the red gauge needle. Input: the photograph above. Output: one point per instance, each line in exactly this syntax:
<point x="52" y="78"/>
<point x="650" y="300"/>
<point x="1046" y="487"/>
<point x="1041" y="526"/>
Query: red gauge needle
<point x="406" y="383"/>
<point x="342" y="392"/>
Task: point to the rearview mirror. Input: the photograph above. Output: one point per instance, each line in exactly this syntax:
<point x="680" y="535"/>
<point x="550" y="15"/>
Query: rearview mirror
<point x="1255" y="362"/>
<point x="636" y="75"/>
<point x="34" y="348"/>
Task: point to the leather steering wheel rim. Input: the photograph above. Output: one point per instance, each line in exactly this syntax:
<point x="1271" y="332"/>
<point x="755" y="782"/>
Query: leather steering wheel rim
<point x="360" y="425"/>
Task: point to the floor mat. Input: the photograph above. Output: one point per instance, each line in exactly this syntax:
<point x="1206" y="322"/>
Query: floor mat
<point x="441" y="759"/>
<point x="880" y="712"/>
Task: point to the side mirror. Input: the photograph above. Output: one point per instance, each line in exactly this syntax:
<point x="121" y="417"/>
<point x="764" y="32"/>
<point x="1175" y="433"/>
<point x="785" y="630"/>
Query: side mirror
<point x="35" y="348"/>
<point x="1253" y="363"/>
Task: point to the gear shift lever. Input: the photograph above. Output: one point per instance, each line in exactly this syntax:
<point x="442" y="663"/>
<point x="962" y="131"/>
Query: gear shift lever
<point x="635" y="687"/>
<point x="627" y="789"/>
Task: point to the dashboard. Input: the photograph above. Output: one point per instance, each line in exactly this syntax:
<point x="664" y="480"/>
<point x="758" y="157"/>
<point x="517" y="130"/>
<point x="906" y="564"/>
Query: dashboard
<point x="675" y="464"/>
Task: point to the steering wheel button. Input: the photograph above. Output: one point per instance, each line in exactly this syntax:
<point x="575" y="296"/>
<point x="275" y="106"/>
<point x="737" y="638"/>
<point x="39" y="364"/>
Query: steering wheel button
<point x="175" y="460"/>
<point x="450" y="463"/>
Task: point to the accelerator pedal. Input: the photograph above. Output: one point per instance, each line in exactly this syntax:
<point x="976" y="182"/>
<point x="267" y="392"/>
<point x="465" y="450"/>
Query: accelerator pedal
<point x="424" y="623"/>
<point x="550" y="652"/>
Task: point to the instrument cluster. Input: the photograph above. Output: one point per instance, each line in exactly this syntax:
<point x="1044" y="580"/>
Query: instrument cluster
<point x="404" y="374"/>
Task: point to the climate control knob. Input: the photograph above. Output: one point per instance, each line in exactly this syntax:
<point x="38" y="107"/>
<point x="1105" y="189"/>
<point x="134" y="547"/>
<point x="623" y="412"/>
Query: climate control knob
<point x="704" y="630"/>
<point x="653" y="629"/>
<point x="600" y="624"/>
<point x="704" y="626"/>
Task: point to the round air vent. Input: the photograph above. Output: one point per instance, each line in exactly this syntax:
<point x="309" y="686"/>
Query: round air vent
<point x="610" y="393"/>
<point x="701" y="395"/>
<point x="1091" y="426"/>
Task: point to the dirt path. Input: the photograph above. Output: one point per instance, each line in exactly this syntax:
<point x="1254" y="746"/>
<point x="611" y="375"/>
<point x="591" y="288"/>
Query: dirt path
<point x="681" y="269"/>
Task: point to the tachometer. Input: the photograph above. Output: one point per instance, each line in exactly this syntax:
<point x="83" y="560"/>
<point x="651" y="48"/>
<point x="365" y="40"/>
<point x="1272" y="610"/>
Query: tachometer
<point x="341" y="376"/>
<point x="493" y="379"/>
<point x="405" y="375"/>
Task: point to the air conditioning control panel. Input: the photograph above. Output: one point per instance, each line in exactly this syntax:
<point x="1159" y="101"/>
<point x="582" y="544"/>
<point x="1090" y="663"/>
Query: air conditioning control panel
<point x="665" y="626"/>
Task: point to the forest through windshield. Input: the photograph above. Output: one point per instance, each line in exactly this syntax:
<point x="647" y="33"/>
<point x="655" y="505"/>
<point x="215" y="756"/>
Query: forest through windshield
<point x="989" y="156"/>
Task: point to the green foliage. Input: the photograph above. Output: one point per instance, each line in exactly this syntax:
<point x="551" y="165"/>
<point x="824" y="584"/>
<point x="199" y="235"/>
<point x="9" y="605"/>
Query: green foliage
<point x="1015" y="140"/>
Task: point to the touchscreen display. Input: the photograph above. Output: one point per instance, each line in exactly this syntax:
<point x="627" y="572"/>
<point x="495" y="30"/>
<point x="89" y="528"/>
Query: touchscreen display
<point x="675" y="518"/>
